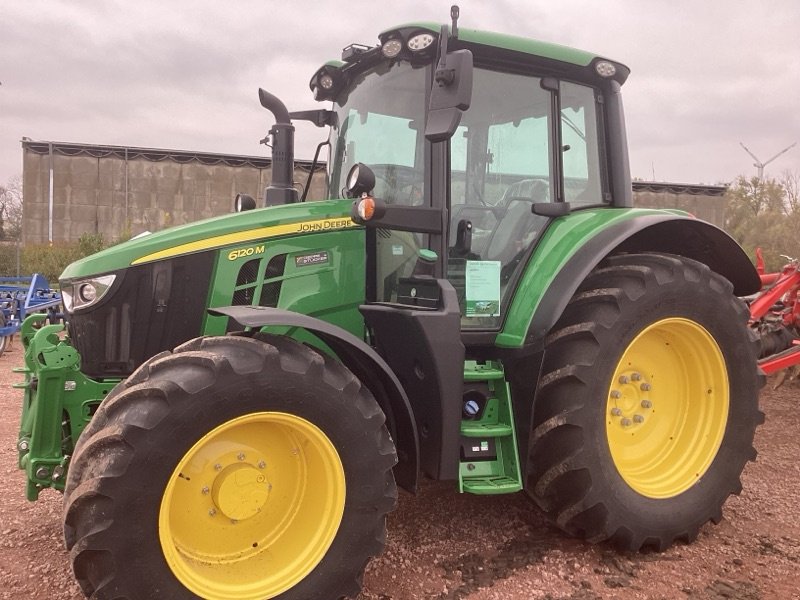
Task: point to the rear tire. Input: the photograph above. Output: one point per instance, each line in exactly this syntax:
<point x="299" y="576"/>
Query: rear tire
<point x="231" y="468"/>
<point x="648" y="403"/>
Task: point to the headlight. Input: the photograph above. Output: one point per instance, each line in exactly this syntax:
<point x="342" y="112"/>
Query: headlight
<point x="87" y="292"/>
<point x="82" y="294"/>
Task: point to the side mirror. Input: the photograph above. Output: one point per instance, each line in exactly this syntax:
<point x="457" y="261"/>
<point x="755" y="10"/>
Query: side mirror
<point x="451" y="95"/>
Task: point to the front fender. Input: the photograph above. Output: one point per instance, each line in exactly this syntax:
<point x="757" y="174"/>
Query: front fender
<point x="575" y="244"/>
<point x="365" y="364"/>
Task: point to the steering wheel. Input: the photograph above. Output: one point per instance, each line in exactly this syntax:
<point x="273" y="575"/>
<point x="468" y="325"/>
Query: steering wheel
<point x="405" y="184"/>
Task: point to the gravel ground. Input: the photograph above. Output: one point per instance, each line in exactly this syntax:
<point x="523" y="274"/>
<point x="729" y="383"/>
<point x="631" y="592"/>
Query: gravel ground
<point x="449" y="546"/>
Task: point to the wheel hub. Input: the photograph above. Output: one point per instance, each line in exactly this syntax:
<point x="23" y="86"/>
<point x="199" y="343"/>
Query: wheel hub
<point x="240" y="491"/>
<point x="629" y="400"/>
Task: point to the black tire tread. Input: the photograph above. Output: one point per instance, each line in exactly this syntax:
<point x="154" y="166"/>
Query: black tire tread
<point x="138" y="404"/>
<point x="559" y="477"/>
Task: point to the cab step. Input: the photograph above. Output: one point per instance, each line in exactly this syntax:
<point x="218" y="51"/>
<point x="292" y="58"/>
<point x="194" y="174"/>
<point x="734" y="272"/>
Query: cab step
<point x="489" y="461"/>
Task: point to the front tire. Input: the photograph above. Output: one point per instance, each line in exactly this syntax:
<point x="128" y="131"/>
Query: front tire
<point x="232" y="468"/>
<point x="648" y="403"/>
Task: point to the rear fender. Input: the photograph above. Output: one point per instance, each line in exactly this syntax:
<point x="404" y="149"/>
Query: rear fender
<point x="365" y="364"/>
<point x="644" y="231"/>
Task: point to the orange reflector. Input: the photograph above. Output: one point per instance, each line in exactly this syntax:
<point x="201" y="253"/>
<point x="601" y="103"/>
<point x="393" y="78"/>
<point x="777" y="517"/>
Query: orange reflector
<point x="366" y="208"/>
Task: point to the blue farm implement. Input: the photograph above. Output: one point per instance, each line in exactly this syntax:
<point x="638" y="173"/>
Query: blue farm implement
<point x="22" y="296"/>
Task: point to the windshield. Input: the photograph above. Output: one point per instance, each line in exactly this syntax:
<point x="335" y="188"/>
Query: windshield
<point x="381" y="122"/>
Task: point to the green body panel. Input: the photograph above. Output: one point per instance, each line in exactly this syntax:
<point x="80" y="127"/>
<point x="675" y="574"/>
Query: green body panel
<point x="329" y="289"/>
<point x="59" y="401"/>
<point x="562" y="239"/>
<point x="510" y="42"/>
<point x="234" y="230"/>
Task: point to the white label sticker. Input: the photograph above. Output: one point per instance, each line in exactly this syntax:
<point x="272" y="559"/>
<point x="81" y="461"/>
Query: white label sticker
<point x="483" y="288"/>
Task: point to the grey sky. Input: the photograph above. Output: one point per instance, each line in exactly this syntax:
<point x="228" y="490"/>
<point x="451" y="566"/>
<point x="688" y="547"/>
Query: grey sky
<point x="184" y="74"/>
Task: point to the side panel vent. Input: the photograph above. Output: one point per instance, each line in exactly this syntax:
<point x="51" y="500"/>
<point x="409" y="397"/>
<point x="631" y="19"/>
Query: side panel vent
<point x="248" y="273"/>
<point x="276" y="266"/>
<point x="251" y="289"/>
<point x="271" y="292"/>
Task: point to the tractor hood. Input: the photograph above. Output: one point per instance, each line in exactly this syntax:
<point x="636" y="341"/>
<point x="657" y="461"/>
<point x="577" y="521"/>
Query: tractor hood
<point x="218" y="232"/>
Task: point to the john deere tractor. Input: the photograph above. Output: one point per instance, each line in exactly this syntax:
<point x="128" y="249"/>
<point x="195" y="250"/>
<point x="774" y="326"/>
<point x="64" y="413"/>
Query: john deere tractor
<point x="235" y="401"/>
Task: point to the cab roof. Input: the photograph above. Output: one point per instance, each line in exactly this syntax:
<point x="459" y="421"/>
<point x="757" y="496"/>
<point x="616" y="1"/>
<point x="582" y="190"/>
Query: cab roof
<point x="514" y="43"/>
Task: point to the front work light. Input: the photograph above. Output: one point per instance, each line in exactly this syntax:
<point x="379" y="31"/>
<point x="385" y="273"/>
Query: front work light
<point x="360" y="180"/>
<point x="326" y="82"/>
<point x="392" y="48"/>
<point x="420" y="41"/>
<point x="605" y="69"/>
<point x="243" y="202"/>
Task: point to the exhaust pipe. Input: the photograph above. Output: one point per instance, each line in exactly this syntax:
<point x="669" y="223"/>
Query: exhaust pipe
<point x="281" y="190"/>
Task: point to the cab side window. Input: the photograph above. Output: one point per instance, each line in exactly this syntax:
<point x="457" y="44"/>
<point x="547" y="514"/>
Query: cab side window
<point x="580" y="145"/>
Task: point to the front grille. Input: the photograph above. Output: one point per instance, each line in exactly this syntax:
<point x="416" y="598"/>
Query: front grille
<point x="151" y="308"/>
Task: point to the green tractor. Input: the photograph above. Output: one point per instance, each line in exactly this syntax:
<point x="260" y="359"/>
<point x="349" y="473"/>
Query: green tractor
<point x="235" y="401"/>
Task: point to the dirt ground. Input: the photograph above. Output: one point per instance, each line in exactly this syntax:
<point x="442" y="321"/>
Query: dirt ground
<point x="449" y="546"/>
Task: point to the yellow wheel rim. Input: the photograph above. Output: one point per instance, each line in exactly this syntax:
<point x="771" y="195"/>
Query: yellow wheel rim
<point x="253" y="507"/>
<point x="667" y="408"/>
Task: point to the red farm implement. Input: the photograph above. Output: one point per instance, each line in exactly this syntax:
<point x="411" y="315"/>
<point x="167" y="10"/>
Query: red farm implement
<point x="775" y="314"/>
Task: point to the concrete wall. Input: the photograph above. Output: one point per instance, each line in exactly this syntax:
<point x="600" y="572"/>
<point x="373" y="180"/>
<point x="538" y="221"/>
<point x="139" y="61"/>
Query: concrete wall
<point x="96" y="190"/>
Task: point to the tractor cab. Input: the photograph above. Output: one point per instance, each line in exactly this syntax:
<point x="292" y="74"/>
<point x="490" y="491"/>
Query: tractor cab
<point x="472" y="151"/>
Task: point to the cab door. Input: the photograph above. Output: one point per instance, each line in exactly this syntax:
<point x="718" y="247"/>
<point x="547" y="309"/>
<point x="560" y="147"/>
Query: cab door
<point x="524" y="141"/>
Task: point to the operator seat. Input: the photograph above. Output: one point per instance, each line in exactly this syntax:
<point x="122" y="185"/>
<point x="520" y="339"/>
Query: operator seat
<point x="518" y="225"/>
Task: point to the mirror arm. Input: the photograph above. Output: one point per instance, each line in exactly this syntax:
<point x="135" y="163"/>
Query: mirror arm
<point x="320" y="117"/>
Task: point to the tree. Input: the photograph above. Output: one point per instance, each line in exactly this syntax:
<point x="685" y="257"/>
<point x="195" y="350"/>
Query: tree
<point x="11" y="209"/>
<point x="765" y="213"/>
<point x="791" y="185"/>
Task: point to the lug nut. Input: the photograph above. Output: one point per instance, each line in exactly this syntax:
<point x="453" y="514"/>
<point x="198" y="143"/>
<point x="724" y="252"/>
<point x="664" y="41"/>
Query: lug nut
<point x="615" y="394"/>
<point x="261" y="464"/>
<point x="623" y="379"/>
<point x="616" y="412"/>
<point x="240" y="456"/>
<point x="217" y="467"/>
<point x="625" y="422"/>
<point x="645" y="387"/>
<point x="205" y="490"/>
<point x="234" y="521"/>
<point x="635" y="377"/>
<point x="647" y="404"/>
<point x="212" y="512"/>
<point x="638" y="418"/>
